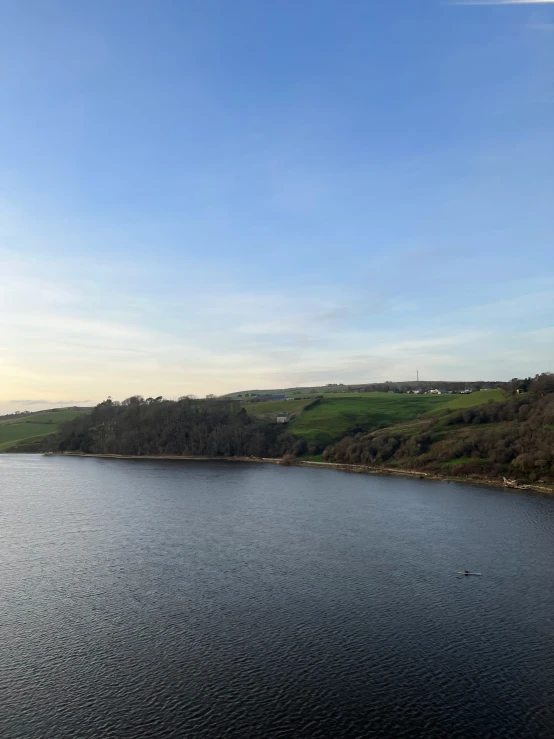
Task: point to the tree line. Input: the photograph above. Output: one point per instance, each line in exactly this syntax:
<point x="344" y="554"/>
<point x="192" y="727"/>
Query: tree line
<point x="188" y="426"/>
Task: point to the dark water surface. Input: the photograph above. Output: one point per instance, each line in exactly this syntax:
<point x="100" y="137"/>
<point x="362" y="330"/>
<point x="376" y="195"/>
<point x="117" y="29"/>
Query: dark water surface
<point x="170" y="599"/>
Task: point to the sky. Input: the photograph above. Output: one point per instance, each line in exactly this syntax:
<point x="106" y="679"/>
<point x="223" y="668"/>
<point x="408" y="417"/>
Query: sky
<point x="206" y="197"/>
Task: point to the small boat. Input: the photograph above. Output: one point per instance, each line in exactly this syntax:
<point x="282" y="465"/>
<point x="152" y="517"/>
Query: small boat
<point x="477" y="574"/>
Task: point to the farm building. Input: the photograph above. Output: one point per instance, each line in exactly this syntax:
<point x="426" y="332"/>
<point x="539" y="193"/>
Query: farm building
<point x="283" y="418"/>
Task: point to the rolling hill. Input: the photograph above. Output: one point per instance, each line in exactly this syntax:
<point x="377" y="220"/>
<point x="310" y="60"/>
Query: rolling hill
<point x="469" y="401"/>
<point x="509" y="436"/>
<point x="356" y="388"/>
<point x="27" y="432"/>
<point x="337" y="415"/>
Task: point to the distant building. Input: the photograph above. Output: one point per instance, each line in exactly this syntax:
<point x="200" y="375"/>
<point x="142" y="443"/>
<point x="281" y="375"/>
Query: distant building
<point x="283" y="418"/>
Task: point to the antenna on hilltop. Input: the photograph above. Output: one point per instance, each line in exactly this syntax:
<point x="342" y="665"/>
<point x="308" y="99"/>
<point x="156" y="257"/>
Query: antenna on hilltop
<point x="417" y="374"/>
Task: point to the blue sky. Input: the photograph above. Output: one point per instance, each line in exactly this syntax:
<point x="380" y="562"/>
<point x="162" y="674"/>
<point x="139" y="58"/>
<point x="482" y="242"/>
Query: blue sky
<point x="202" y="197"/>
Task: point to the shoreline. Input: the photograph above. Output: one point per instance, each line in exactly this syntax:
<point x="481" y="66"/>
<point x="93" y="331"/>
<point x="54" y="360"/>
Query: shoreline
<point x="341" y="467"/>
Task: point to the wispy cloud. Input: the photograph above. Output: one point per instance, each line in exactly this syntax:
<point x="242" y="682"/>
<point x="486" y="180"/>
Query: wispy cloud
<point x="62" y="337"/>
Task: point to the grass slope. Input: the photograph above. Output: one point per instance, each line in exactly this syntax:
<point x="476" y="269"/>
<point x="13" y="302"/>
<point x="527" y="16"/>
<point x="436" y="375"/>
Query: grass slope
<point x="276" y="406"/>
<point x="339" y="416"/>
<point x="33" y="428"/>
<point x="470" y="401"/>
<point x="487" y="440"/>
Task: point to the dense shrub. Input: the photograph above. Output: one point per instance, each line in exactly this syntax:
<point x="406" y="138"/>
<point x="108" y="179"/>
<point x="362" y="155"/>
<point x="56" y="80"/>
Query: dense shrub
<point x="516" y="435"/>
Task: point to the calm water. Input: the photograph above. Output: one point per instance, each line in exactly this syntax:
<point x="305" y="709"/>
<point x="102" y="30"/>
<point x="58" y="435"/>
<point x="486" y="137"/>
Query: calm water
<point x="170" y="599"/>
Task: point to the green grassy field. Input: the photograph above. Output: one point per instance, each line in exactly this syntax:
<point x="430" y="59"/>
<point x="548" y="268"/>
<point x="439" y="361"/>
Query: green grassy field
<point x="338" y="416"/>
<point x="469" y="401"/>
<point x="32" y="427"/>
<point x="276" y="406"/>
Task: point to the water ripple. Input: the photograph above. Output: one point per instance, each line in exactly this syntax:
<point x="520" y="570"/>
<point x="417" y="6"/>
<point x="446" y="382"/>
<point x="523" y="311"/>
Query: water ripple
<point x="163" y="600"/>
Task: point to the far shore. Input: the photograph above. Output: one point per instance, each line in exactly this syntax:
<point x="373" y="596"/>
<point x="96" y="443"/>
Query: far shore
<point x="361" y="469"/>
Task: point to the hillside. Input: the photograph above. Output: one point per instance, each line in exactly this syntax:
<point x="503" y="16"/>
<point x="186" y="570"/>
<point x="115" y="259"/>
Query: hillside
<point x="315" y="423"/>
<point x="337" y="415"/>
<point x="512" y="438"/>
<point x="489" y="434"/>
<point x="469" y="401"/>
<point x="270" y="408"/>
<point x="27" y="432"/>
